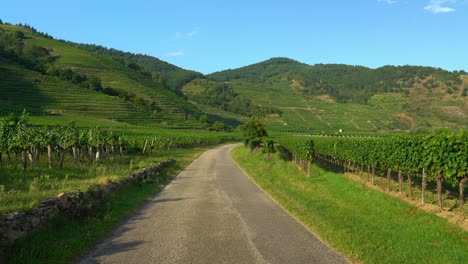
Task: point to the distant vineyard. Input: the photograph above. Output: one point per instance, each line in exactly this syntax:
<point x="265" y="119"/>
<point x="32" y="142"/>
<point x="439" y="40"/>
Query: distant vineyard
<point x="442" y="157"/>
<point x="17" y="137"/>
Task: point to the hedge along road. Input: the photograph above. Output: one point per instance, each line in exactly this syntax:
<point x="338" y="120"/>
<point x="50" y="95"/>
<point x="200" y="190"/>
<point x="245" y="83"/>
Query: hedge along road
<point x="212" y="213"/>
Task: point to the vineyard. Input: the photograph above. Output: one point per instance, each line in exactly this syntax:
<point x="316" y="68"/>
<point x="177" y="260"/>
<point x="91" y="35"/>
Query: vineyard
<point x="440" y="158"/>
<point x="39" y="161"/>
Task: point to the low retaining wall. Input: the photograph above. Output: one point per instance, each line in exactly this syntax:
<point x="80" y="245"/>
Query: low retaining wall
<point x="75" y="204"/>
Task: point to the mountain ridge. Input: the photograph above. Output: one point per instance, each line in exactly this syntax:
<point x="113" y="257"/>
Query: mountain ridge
<point x="338" y="96"/>
<point x="287" y="92"/>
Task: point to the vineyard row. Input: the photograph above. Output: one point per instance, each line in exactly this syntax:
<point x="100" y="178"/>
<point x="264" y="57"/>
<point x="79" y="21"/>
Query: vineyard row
<point x="17" y="138"/>
<point x="439" y="157"/>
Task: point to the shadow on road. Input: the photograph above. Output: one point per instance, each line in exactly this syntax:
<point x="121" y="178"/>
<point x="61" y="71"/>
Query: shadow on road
<point x="112" y="247"/>
<point x="168" y="200"/>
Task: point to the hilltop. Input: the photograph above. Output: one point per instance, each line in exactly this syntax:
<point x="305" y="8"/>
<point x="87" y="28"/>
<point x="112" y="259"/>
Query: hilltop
<point x="344" y="83"/>
<point x="329" y="97"/>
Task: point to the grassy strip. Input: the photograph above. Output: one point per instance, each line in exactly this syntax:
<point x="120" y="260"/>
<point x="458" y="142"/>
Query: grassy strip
<point x="364" y="224"/>
<point x="65" y="239"/>
<point x="24" y="190"/>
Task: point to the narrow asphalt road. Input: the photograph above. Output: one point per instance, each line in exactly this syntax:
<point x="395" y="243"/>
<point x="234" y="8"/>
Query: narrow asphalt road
<point x="212" y="213"/>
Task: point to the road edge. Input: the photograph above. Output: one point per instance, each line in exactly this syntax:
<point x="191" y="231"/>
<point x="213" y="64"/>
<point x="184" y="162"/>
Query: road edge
<point x="284" y="209"/>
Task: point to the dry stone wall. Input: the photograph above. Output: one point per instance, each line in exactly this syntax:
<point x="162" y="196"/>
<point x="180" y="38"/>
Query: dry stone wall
<point x="75" y="204"/>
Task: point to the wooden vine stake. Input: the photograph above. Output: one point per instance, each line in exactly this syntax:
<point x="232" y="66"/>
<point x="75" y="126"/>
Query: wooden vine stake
<point x="423" y="187"/>
<point x="462" y="196"/>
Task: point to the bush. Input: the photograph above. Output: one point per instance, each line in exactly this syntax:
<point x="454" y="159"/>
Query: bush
<point x="254" y="143"/>
<point x="269" y="147"/>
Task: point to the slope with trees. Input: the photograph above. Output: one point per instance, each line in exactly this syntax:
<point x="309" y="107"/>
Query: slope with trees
<point x="343" y="82"/>
<point x="329" y="97"/>
<point x="40" y="62"/>
<point x="172" y="76"/>
<point x="223" y="96"/>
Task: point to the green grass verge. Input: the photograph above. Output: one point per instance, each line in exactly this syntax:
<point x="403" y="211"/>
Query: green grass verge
<point x="23" y="190"/>
<point x="64" y="239"/>
<point x="364" y="224"/>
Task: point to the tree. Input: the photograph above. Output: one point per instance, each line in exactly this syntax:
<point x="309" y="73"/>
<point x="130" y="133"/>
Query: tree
<point x="19" y="34"/>
<point x="269" y="147"/>
<point x="158" y="78"/>
<point x="203" y="119"/>
<point x="218" y="126"/>
<point x="134" y="66"/>
<point x="94" y="83"/>
<point x="253" y="131"/>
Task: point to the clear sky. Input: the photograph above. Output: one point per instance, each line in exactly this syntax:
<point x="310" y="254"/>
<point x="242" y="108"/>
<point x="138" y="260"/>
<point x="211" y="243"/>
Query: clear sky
<point x="213" y="35"/>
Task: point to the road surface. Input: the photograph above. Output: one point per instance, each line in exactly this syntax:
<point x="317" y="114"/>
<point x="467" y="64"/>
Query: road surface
<point x="212" y="213"/>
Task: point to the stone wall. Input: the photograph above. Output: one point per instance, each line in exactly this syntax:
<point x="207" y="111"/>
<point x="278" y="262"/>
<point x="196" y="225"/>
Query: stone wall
<point x="75" y="204"/>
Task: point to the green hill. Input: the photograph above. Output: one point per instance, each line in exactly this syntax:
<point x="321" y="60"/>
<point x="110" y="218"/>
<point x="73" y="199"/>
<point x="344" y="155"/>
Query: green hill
<point x="174" y="77"/>
<point x="60" y="81"/>
<point x="329" y="97"/>
<point x="344" y="83"/>
<point x="55" y="78"/>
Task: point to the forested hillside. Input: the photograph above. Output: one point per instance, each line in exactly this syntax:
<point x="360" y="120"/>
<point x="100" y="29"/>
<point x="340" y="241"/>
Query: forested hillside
<point x="172" y="76"/>
<point x="330" y="97"/>
<point x="72" y="81"/>
<point x="51" y="77"/>
<point x="223" y="96"/>
<point x="344" y="83"/>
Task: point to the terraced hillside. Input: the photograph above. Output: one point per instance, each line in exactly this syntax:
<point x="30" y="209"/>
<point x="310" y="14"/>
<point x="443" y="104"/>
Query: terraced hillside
<point x="173" y="76"/>
<point x="351" y="98"/>
<point x="48" y="95"/>
<point x="138" y="89"/>
<point x="44" y="95"/>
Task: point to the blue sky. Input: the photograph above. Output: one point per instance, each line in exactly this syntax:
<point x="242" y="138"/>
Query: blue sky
<point x="209" y="36"/>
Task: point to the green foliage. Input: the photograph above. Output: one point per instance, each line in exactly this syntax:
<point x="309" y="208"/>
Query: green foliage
<point x="28" y="63"/>
<point x="73" y="152"/>
<point x="139" y="95"/>
<point x="203" y="119"/>
<point x="444" y="153"/>
<point x="16" y="136"/>
<point x="302" y="147"/>
<point x="161" y="72"/>
<point x="30" y="56"/>
<point x="253" y="131"/>
<point x="38" y="58"/>
<point x="254" y="128"/>
<point x="269" y="147"/>
<point x="218" y="126"/>
<point x="254" y="143"/>
<point x="342" y="82"/>
<point x="222" y="95"/>
<point x="465" y="92"/>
